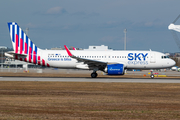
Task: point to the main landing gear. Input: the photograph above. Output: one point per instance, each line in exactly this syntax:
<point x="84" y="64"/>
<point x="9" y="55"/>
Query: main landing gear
<point x="94" y="75"/>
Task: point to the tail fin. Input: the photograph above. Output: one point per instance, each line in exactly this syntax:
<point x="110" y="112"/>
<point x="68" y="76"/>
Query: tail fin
<point x="20" y="41"/>
<point x="22" y="45"/>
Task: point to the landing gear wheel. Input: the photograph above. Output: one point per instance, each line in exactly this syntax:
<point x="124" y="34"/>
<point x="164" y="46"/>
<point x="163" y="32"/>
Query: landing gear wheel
<point x="93" y="75"/>
<point x="152" y="76"/>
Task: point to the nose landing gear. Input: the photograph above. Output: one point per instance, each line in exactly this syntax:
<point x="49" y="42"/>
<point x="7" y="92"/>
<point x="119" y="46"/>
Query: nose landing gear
<point x="152" y="75"/>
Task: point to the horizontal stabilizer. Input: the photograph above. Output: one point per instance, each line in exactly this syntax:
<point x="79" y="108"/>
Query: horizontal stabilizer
<point x="13" y="54"/>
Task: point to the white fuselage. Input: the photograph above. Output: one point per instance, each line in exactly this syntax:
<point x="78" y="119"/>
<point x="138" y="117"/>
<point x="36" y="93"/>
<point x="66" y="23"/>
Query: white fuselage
<point x="109" y="61"/>
<point x="130" y="59"/>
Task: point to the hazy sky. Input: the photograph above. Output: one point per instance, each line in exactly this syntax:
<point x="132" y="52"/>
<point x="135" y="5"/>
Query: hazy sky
<point x="80" y="23"/>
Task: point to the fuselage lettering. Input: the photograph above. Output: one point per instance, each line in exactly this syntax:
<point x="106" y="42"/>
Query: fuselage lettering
<point x="137" y="58"/>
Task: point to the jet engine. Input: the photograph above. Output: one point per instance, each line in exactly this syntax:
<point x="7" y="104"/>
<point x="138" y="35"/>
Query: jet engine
<point x="115" y="69"/>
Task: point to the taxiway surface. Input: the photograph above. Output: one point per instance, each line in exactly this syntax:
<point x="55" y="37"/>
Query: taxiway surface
<point x="124" y="80"/>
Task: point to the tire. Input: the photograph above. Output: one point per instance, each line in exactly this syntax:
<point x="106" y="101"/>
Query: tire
<point x="93" y="75"/>
<point x="152" y="76"/>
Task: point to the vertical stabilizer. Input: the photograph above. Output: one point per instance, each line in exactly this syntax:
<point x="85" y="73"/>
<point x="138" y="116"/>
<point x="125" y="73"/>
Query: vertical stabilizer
<point x="20" y="41"/>
<point x="22" y="45"/>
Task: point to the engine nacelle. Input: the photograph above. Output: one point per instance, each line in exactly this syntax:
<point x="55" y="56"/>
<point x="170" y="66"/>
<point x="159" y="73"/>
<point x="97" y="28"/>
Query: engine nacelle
<point x="115" y="69"/>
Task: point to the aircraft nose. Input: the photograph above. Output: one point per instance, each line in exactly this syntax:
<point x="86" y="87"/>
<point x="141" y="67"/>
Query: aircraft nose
<point x="172" y="62"/>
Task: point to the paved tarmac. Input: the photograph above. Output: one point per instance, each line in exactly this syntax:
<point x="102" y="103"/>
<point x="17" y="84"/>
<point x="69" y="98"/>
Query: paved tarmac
<point x="108" y="80"/>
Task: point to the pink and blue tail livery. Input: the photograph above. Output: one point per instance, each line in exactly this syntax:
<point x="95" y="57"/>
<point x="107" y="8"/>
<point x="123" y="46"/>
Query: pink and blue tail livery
<point x="22" y="44"/>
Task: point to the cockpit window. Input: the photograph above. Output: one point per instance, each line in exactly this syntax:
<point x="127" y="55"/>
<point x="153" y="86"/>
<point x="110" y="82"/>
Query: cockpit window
<point x="164" y="57"/>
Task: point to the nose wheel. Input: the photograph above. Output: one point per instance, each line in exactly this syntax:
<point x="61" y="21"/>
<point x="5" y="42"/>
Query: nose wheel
<point x="94" y="75"/>
<point x="152" y="76"/>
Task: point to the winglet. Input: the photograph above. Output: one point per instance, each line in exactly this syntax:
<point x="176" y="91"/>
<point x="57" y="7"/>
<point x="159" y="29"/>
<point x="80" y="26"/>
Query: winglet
<point x="67" y="50"/>
<point x="74" y="48"/>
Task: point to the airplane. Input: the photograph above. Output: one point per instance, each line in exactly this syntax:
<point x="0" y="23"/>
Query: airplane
<point x="174" y="27"/>
<point x="111" y="62"/>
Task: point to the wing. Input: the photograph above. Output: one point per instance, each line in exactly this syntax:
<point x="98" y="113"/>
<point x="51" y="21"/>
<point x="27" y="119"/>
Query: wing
<point x="91" y="63"/>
